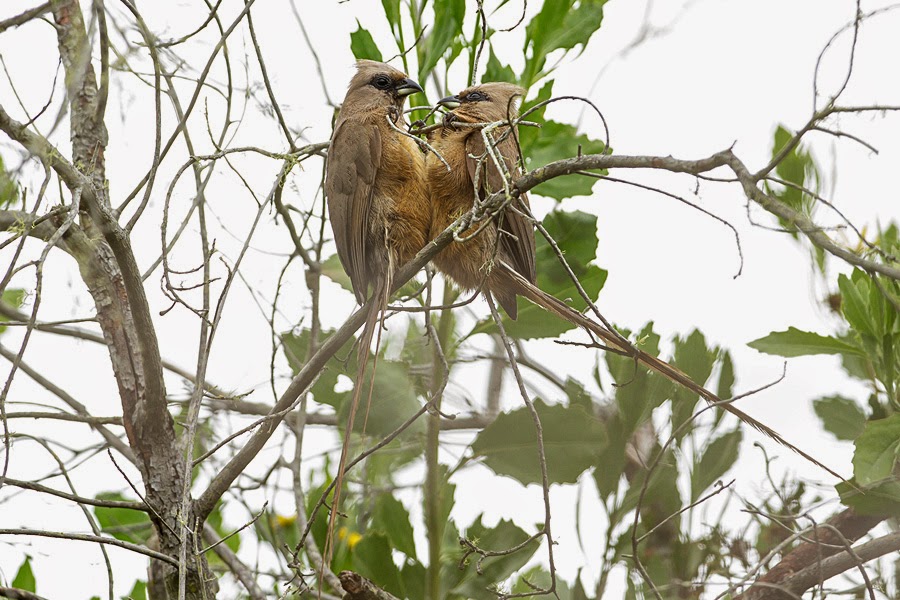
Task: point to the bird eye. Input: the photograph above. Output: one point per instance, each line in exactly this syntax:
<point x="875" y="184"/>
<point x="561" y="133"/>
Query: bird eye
<point x="475" y="96"/>
<point x="382" y="82"/>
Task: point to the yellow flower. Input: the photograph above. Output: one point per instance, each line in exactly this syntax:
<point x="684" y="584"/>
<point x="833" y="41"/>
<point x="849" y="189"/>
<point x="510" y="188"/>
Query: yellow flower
<point x="351" y="536"/>
<point x="286" y="521"/>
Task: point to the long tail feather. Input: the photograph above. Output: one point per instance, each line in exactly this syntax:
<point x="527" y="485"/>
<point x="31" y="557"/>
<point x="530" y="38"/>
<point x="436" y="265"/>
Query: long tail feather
<point x="566" y="312"/>
<point x="377" y="307"/>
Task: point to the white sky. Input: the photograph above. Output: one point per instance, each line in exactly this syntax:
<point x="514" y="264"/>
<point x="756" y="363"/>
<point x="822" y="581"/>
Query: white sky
<point x="726" y="72"/>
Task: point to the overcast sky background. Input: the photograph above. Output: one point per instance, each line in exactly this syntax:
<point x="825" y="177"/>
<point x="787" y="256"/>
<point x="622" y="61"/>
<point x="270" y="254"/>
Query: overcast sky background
<point x="720" y="72"/>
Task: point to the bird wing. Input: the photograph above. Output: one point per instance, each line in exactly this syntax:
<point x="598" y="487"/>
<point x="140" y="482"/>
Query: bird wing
<point x="353" y="162"/>
<point x="519" y="249"/>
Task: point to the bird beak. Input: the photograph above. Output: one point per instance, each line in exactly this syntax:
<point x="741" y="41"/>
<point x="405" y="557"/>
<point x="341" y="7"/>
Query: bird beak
<point x="450" y="102"/>
<point x="407" y="87"/>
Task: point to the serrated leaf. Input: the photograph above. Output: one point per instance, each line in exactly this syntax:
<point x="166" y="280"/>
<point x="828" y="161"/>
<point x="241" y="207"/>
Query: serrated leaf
<point x="362" y="45"/>
<point x="392" y="519"/>
<point x="24" y="579"/>
<point x="718" y="457"/>
<point x="877" y="450"/>
<point x="840" y="416"/>
<point x="572" y="438"/>
<point x="795" y="342"/>
<point x="559" y="24"/>
<point x="372" y="558"/>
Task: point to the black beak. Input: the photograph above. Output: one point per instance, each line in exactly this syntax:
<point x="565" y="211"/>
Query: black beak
<point x="450" y="102"/>
<point x="407" y="87"/>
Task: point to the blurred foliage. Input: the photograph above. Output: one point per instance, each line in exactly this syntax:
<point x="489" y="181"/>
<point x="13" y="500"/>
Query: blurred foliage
<point x="9" y="189"/>
<point x="24" y="578"/>
<point x="801" y="174"/>
<point x="11" y="297"/>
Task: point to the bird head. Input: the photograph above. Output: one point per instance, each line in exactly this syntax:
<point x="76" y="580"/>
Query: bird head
<point x="380" y="84"/>
<point x="484" y="103"/>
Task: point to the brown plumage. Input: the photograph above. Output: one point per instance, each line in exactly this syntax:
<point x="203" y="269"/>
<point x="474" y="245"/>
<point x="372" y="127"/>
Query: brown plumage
<point x="377" y="203"/>
<point x="507" y="244"/>
<point x="504" y="266"/>
<point x="375" y="180"/>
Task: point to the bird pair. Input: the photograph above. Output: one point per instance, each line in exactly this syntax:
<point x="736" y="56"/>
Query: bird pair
<point x="387" y="199"/>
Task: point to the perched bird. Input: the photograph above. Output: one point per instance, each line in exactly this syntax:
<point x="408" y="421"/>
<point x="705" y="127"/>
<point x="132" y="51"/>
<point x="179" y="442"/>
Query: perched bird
<point x="506" y="245"/>
<point x="377" y="203"/>
<point x="499" y="258"/>
<point x="375" y="180"/>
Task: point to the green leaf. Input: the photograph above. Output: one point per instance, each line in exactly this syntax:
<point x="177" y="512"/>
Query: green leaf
<point x="726" y="377"/>
<point x="877" y="450"/>
<point x="696" y="360"/>
<point x="611" y="463"/>
<point x="392" y="14"/>
<point x="362" y="45"/>
<point x="578" y="396"/>
<point x="11" y="297"/>
<point x="538" y="576"/>
<point x="840" y="416"/>
<point x="296" y="347"/>
<point x="216" y="522"/>
<point x="854" y="305"/>
<point x="9" y="190"/>
<point x="413" y="574"/>
<point x="334" y="270"/>
<point x="795" y="342"/>
<point x="576" y="236"/>
<point x="572" y="438"/>
<point x="638" y="390"/>
<point x="448" y="21"/>
<point x="494" y="70"/>
<point x="24" y="579"/>
<point x="661" y="498"/>
<point x="882" y="499"/>
<point x="138" y="592"/>
<point x="557" y="141"/>
<point x="798" y="168"/>
<point x="392" y="519"/>
<point x="560" y="24"/>
<point x="496" y="569"/>
<point x="372" y="558"/>
<point x="393" y="400"/>
<point x="718" y="457"/>
<point x="123" y="523"/>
